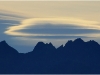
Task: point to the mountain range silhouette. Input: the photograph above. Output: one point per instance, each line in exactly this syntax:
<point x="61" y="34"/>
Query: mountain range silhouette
<point x="76" y="57"/>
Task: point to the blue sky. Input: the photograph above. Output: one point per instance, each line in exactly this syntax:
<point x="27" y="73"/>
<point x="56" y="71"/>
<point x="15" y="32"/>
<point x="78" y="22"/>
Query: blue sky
<point x="24" y="23"/>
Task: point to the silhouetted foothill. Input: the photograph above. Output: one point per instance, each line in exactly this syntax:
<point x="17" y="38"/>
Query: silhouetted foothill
<point x="75" y="57"/>
<point x="5" y="48"/>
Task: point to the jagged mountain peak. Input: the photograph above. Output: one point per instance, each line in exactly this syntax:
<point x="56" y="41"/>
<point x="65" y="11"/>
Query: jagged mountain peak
<point x="50" y="43"/>
<point x="3" y="42"/>
<point x="69" y="42"/>
<point x="49" y="46"/>
<point x="92" y="42"/>
<point x="41" y="46"/>
<point x="6" y="49"/>
<point x="78" y="40"/>
<point x="40" y="43"/>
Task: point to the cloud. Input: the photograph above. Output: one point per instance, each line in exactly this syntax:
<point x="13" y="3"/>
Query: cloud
<point x="8" y="15"/>
<point x="10" y="22"/>
<point x="2" y="15"/>
<point x="27" y="23"/>
<point x="58" y="29"/>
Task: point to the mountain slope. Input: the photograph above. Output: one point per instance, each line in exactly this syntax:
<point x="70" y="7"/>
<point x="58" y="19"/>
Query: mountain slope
<point x="76" y="57"/>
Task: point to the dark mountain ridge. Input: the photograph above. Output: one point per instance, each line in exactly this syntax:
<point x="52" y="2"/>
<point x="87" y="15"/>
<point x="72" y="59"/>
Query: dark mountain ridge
<point x="76" y="57"/>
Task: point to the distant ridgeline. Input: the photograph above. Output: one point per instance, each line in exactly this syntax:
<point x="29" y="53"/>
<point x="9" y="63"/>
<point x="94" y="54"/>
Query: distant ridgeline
<point x="76" y="57"/>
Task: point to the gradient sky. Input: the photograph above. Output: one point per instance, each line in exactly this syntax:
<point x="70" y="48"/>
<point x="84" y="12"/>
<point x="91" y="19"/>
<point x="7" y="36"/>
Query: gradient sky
<point x="24" y="23"/>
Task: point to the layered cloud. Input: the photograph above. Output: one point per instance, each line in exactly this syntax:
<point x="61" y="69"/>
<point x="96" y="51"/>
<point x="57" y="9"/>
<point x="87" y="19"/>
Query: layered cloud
<point x="52" y="24"/>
